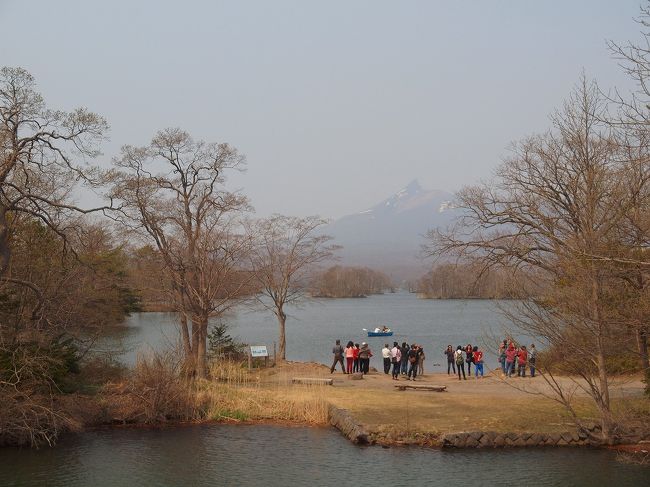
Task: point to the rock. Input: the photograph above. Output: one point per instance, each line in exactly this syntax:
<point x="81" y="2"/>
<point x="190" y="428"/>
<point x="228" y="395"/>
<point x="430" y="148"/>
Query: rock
<point x="554" y="438"/>
<point x="532" y="441"/>
<point x="486" y="441"/>
<point x="342" y="420"/>
<point x="471" y="442"/>
<point x="520" y="442"/>
<point x="499" y="441"/>
<point x="461" y="437"/>
<point x="562" y="442"/>
<point x="476" y="435"/>
<point x="566" y="436"/>
<point x="461" y="443"/>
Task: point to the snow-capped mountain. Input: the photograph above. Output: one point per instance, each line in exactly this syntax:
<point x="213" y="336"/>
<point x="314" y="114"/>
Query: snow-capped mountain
<point x="388" y="235"/>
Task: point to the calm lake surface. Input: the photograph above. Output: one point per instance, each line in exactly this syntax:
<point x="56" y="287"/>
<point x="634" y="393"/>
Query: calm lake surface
<point x="279" y="456"/>
<point x="286" y="456"/>
<point x="312" y="328"/>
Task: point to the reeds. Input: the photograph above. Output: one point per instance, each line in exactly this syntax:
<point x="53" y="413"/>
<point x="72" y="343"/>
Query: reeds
<point x="235" y="394"/>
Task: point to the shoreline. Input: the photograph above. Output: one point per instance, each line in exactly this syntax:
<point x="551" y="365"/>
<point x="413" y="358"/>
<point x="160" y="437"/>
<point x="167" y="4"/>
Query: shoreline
<point x="342" y="420"/>
<point x="372" y="411"/>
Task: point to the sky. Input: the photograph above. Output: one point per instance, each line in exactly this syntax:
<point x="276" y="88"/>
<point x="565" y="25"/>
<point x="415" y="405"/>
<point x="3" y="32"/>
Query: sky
<point x="336" y="104"/>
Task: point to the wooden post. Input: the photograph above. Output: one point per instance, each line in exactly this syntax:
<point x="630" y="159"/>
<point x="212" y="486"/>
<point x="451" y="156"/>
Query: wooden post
<point x="250" y="359"/>
<point x="275" y="358"/>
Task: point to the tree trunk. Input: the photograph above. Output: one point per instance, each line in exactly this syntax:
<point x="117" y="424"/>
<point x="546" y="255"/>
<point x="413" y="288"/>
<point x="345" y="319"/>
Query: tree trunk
<point x="641" y="332"/>
<point x="195" y="339"/>
<point x="201" y="359"/>
<point x="282" y="345"/>
<point x="603" y="403"/>
<point x="185" y="335"/>
<point x="642" y="341"/>
<point x="5" y="250"/>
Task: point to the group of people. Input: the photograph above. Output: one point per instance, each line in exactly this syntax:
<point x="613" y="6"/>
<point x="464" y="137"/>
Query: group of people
<point x="357" y="357"/>
<point x="406" y="359"/>
<point x="512" y="356"/>
<point x="456" y="360"/>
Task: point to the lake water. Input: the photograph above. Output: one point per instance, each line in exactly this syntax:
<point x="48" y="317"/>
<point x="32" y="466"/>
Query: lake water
<point x="286" y="456"/>
<point x="312" y="328"/>
<point x="228" y="455"/>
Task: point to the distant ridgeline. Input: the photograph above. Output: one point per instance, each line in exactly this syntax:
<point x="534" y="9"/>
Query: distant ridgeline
<point x="457" y="281"/>
<point x="349" y="282"/>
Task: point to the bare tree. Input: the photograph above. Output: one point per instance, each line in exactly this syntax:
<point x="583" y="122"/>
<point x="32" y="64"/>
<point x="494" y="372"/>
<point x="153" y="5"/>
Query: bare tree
<point x="285" y="251"/>
<point x="38" y="169"/>
<point x="632" y="120"/>
<point x="557" y="207"/>
<point x="172" y="193"/>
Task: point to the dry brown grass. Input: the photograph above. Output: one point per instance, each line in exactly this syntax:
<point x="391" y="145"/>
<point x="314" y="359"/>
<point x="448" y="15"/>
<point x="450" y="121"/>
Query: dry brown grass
<point x="238" y="395"/>
<point x="153" y="392"/>
<point x="478" y="405"/>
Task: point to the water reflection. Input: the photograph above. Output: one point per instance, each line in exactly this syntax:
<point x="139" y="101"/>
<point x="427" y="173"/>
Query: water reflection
<point x="269" y="456"/>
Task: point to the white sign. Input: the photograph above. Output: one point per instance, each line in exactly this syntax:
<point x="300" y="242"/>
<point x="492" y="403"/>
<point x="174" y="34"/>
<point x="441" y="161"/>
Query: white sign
<point x="259" y="351"/>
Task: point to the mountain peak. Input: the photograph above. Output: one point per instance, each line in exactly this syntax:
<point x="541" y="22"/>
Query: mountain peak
<point x="413" y="186"/>
<point x="411" y="189"/>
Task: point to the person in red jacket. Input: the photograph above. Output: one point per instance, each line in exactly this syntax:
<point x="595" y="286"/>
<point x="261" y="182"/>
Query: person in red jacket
<point x="511" y="353"/>
<point x="477" y="356"/>
<point x="522" y="358"/>
<point x="355" y="358"/>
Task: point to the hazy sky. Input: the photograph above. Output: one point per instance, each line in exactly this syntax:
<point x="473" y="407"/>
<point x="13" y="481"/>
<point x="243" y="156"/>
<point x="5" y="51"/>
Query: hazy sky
<point x="336" y="104"/>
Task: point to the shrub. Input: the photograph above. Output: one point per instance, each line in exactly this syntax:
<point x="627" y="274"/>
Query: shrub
<point x="155" y="391"/>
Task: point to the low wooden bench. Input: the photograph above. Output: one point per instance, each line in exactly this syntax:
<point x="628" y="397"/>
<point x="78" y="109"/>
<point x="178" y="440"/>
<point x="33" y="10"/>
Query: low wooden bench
<point x="312" y="381"/>
<point x="403" y="387"/>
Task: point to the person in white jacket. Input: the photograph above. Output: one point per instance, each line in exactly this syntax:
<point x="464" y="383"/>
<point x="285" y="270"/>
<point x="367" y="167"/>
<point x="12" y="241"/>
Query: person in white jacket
<point x="396" y="359"/>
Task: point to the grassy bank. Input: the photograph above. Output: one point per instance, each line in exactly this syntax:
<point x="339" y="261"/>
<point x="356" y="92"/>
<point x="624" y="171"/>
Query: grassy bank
<point x="154" y="393"/>
<point x="390" y="415"/>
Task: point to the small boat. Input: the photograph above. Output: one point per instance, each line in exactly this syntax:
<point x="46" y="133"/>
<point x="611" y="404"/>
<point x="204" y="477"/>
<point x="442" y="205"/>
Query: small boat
<point x="380" y="332"/>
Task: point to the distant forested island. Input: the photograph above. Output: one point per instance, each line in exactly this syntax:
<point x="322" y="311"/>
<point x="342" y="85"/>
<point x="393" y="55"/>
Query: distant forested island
<point x="350" y="282"/>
